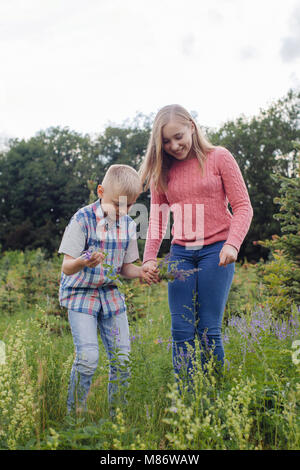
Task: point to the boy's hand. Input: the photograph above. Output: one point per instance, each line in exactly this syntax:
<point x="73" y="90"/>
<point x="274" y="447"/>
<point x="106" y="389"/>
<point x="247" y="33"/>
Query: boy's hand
<point x="149" y="274"/>
<point x="95" y="259"/>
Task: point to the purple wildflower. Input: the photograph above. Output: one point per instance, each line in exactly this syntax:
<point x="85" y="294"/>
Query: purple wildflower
<point x="115" y="331"/>
<point x="173" y="409"/>
<point x="166" y="259"/>
<point x="226" y="338"/>
<point x="87" y="255"/>
<point x="168" y="270"/>
<point x="260" y="322"/>
<point x="181" y="274"/>
<point x="136" y="338"/>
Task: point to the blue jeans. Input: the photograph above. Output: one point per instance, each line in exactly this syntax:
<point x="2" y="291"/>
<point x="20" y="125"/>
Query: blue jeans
<point x="114" y="333"/>
<point x="197" y="304"/>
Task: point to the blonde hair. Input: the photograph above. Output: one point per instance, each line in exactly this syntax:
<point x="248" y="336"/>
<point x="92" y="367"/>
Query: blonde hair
<point x="124" y="180"/>
<point x="156" y="163"/>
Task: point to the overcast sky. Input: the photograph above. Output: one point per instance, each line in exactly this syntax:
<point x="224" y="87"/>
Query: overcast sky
<point x="84" y="63"/>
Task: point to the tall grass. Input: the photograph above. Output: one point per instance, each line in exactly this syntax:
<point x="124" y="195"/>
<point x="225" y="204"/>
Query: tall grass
<point x="253" y="404"/>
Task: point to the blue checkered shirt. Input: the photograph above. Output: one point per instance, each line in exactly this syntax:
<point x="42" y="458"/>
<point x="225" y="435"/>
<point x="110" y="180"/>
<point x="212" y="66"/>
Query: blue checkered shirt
<point x="93" y="289"/>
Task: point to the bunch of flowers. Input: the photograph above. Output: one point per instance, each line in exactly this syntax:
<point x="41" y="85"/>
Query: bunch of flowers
<point x="168" y="270"/>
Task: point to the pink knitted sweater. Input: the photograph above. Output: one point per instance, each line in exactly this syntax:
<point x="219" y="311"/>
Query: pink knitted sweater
<point x="200" y="204"/>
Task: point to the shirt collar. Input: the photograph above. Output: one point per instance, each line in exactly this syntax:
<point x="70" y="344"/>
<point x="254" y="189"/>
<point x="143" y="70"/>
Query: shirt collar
<point x="103" y="219"/>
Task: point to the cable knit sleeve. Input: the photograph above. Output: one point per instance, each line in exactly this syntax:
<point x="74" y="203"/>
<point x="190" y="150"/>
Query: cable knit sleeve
<point x="237" y="194"/>
<point x="158" y="221"/>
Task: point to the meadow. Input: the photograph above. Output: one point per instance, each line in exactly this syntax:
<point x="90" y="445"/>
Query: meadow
<point x="253" y="404"/>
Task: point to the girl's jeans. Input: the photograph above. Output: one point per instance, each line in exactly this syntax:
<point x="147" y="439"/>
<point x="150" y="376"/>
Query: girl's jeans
<point x="114" y="332"/>
<point x="197" y="304"/>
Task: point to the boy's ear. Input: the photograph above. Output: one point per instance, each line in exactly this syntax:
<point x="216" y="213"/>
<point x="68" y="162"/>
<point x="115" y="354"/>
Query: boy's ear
<point x="100" y="190"/>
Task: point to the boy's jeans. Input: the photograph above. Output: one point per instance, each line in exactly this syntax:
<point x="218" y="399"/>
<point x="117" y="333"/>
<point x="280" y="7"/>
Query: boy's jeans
<point x="114" y="332"/>
<point x="197" y="304"/>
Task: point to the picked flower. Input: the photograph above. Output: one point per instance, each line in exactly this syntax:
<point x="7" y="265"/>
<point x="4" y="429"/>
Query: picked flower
<point x="168" y="270"/>
<point x="180" y="274"/>
<point x="88" y="253"/>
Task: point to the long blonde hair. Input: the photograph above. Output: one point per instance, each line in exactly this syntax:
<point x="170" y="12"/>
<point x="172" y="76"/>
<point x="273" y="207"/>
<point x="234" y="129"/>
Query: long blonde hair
<point x="156" y="163"/>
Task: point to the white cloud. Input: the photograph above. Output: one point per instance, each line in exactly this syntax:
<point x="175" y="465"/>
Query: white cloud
<point x="82" y="63"/>
<point x="248" y="52"/>
<point x="290" y="49"/>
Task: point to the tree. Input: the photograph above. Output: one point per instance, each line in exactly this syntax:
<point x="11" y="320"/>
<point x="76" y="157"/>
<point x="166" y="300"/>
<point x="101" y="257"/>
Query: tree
<point x="43" y="181"/>
<point x="125" y="144"/>
<point x="282" y="275"/>
<point x="263" y="146"/>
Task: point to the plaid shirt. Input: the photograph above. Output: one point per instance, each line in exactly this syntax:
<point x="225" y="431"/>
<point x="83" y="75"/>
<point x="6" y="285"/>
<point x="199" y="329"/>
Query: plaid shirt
<point x="91" y="289"/>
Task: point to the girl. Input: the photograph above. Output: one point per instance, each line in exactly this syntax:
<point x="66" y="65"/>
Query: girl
<point x="194" y="180"/>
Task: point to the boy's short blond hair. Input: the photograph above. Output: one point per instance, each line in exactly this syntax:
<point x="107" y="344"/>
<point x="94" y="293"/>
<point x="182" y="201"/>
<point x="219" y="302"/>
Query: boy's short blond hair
<point x="123" y="180"/>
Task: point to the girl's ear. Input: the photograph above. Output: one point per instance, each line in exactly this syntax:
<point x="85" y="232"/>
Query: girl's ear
<point x="100" y="190"/>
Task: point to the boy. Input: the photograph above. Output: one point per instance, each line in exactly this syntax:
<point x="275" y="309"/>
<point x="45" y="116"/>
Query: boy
<point x="101" y="234"/>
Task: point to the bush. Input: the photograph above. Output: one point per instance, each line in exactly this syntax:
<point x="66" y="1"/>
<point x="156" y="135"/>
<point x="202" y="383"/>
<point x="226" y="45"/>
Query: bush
<point x="281" y="276"/>
<point x="28" y="278"/>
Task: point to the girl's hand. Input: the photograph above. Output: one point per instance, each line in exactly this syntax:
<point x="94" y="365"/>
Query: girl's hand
<point x="228" y="255"/>
<point x="93" y="261"/>
<point x="151" y="264"/>
<point x="149" y="272"/>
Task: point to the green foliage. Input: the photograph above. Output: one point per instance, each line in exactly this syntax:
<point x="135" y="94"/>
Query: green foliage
<point x="43" y="181"/>
<point x="282" y="275"/>
<point x="135" y="302"/>
<point x="27" y="279"/>
<point x="126" y="145"/>
<point x="254" y="404"/>
<point x="281" y="282"/>
<point x="262" y="146"/>
<point x="246" y="290"/>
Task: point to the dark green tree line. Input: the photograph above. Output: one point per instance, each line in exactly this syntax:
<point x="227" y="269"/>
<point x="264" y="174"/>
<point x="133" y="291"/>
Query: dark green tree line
<point x="45" y="179"/>
<point x="42" y="181"/>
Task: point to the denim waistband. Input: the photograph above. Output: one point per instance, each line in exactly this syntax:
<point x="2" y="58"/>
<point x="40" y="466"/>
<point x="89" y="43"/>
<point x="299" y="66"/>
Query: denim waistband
<point x="177" y="247"/>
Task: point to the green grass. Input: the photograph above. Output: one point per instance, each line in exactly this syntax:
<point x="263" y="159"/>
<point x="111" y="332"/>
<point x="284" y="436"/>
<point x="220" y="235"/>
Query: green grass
<point x="254" y="404"/>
